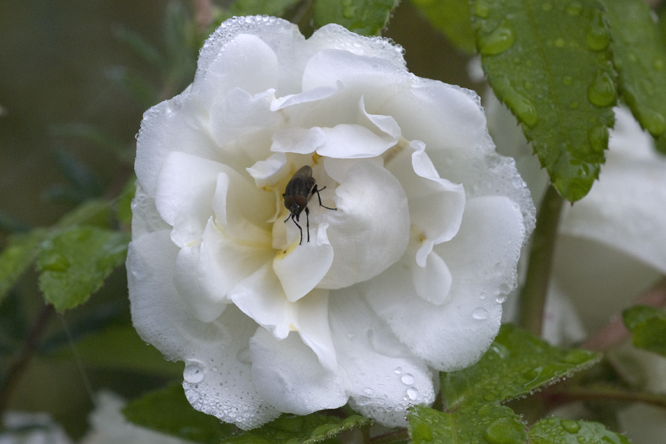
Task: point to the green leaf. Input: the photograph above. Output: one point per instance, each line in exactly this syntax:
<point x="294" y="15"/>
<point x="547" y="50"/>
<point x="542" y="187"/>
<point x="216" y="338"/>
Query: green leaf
<point x="471" y="423"/>
<point x="648" y="327"/>
<point x="93" y="212"/>
<point x="273" y="8"/>
<point x="567" y="431"/>
<point x="549" y="62"/>
<point x="291" y="429"/>
<point x="97" y="136"/>
<point x="365" y="17"/>
<point x="17" y="257"/>
<point x="516" y="364"/>
<point x="137" y="87"/>
<point x="168" y="411"/>
<point x="74" y="263"/>
<point x="453" y="18"/>
<point x="139" y="45"/>
<point x="121" y="348"/>
<point x="124" y="204"/>
<point x="640" y="59"/>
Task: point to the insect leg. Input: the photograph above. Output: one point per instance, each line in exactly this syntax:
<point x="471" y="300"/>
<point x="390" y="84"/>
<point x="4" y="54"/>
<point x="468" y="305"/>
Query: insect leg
<point x="307" y="221"/>
<point x="295" y="218"/>
<point x="316" y="190"/>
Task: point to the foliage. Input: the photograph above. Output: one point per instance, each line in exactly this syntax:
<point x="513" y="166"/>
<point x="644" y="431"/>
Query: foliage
<point x="648" y="327"/>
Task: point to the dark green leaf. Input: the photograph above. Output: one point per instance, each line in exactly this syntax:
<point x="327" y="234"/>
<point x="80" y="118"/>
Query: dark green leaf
<point x="92" y="212"/>
<point x="453" y="18"/>
<point x="74" y="263"/>
<point x="273" y="8"/>
<point x="17" y="257"/>
<point x="549" y="62"/>
<point x="80" y="176"/>
<point x="140" y="46"/>
<point x="168" y="411"/>
<point x="566" y="431"/>
<point x="471" y="423"/>
<point x="365" y="17"/>
<point x="640" y="59"/>
<point x="124" y="204"/>
<point x="13" y="323"/>
<point x="291" y="429"/>
<point x="516" y="364"/>
<point x="96" y="136"/>
<point x="648" y="327"/>
<point x="138" y="87"/>
<point x="121" y="348"/>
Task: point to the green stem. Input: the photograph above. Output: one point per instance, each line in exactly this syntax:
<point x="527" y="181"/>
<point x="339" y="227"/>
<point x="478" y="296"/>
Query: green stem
<point x="604" y="393"/>
<point x="533" y="297"/>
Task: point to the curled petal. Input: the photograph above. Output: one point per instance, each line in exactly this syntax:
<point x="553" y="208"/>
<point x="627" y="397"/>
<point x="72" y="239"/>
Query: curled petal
<point x="372" y="208"/>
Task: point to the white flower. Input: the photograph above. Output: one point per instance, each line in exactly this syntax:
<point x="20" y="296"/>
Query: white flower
<point x="404" y="278"/>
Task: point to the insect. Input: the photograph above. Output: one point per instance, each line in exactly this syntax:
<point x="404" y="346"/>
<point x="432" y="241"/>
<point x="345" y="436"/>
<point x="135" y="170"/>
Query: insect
<point x="297" y="195"/>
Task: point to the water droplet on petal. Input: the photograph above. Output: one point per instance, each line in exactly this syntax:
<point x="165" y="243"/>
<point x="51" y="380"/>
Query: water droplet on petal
<point x="480" y="314"/>
<point x="368" y="391"/>
<point x="193" y="373"/>
<point x="398" y="370"/>
<point x="412" y="393"/>
<point x="407" y="379"/>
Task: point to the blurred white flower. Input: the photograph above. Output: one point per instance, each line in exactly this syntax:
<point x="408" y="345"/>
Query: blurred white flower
<point x="404" y="278"/>
<point x="31" y="428"/>
<point x="611" y="248"/>
<point x="109" y="426"/>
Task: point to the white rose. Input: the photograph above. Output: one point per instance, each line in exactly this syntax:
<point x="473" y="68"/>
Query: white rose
<point x="404" y="278"/>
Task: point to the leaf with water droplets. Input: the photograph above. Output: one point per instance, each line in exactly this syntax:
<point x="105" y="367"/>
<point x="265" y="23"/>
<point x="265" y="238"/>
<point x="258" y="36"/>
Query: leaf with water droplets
<point x="365" y="17"/>
<point x="74" y="263"/>
<point x="491" y="424"/>
<point x="168" y="411"/>
<point x="17" y="257"/>
<point x="639" y="56"/>
<point x="517" y="363"/>
<point x="566" y="431"/>
<point x="451" y="17"/>
<point x="648" y="327"/>
<point x="308" y="429"/>
<point x="550" y="63"/>
<point x="275" y="8"/>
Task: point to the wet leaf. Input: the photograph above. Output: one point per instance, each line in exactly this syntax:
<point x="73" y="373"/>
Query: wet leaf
<point x="364" y="17"/>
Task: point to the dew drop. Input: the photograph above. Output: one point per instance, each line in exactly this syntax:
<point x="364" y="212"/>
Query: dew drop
<point x="567" y="80"/>
<point x="598" y="138"/>
<point x="193" y="373"/>
<point x="560" y="43"/>
<point x="481" y="9"/>
<point x="368" y="391"/>
<point x="56" y="263"/>
<point x="412" y="393"/>
<point x="398" y="370"/>
<point x="192" y="396"/>
<point x="522" y="107"/>
<point x="574" y="104"/>
<point x="547" y="7"/>
<point x="503" y="431"/>
<point x="597" y="36"/>
<point x="602" y="90"/>
<point x="480" y="314"/>
<point x="407" y="379"/>
<point x="570" y="426"/>
<point x="497" y="41"/>
<point x="574" y="8"/>
<point x="501" y="299"/>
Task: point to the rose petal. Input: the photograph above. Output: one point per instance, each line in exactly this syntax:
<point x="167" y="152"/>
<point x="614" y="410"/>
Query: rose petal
<point x="369" y="352"/>
<point x="372" y="208"/>
<point x="482" y="259"/>
<point x="269" y="171"/>
<point x="289" y="375"/>
<point x="298" y="140"/>
<point x="311" y="321"/>
<point x="432" y="281"/>
<point x="303" y="266"/>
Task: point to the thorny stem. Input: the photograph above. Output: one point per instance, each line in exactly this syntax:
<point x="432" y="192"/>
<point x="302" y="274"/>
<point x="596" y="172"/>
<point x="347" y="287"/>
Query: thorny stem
<point x="30" y="344"/>
<point x="533" y="297"/>
<point x="566" y="395"/>
<point x="615" y="332"/>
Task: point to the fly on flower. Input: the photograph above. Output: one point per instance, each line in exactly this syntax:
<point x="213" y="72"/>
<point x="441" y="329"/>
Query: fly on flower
<point x="297" y="195"/>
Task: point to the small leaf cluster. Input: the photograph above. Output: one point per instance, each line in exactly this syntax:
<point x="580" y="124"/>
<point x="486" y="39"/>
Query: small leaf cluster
<point x="560" y="67"/>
